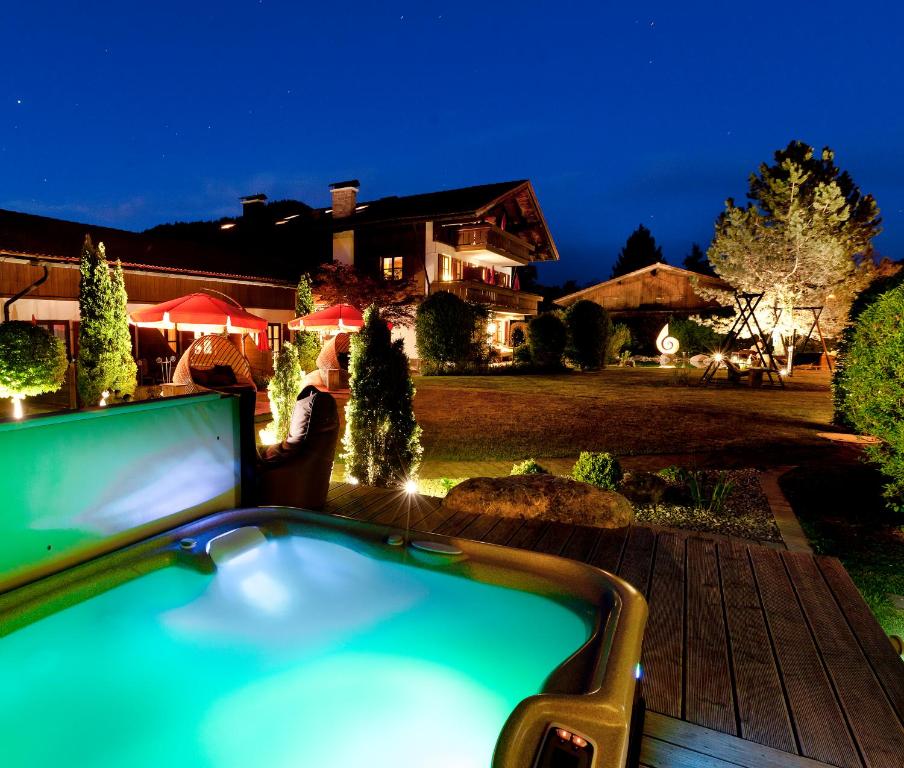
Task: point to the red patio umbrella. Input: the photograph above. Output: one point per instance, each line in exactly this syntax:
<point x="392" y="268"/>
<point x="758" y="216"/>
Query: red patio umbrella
<point x="201" y="312"/>
<point x="339" y="317"/>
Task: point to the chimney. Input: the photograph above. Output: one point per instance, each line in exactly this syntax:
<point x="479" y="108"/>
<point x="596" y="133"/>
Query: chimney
<point x="345" y="197"/>
<point x="253" y="207"/>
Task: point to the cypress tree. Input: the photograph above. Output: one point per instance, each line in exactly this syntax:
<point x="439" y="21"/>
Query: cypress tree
<point x="97" y="359"/>
<point x="125" y="372"/>
<point x="283" y="388"/>
<point x="307" y="343"/>
<point x="382" y="438"/>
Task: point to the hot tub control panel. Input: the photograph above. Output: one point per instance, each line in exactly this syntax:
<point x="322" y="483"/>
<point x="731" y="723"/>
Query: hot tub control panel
<point x="562" y="748"/>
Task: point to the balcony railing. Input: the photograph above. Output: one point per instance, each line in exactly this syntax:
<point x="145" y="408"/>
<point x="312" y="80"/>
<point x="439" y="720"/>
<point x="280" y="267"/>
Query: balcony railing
<point x="496" y="297"/>
<point x="484" y="237"/>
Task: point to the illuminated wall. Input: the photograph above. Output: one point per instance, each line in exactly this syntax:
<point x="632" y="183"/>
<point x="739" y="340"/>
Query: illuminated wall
<point x="83" y="482"/>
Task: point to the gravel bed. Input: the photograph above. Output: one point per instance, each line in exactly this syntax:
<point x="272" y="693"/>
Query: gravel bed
<point x="745" y="514"/>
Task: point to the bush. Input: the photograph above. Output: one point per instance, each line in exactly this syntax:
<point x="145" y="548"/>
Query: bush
<point x="283" y="389"/>
<point x="588" y="329"/>
<point x="528" y="467"/>
<point x="450" y="334"/>
<point x="872" y="381"/>
<point x="518" y="336"/>
<point x="619" y="338"/>
<point x="547" y="336"/>
<point x="307" y="343"/>
<point x="382" y="439"/>
<point x="32" y="360"/>
<point x="866" y="298"/>
<point x="600" y="469"/>
<point x="693" y="338"/>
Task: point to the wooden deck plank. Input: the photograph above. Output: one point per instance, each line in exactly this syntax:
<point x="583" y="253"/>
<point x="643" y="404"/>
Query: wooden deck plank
<point x="503" y="530"/>
<point x="452" y="525"/>
<point x="695" y="742"/>
<point x="821" y="730"/>
<point x="637" y="558"/>
<point x="554" y="538"/>
<point x="663" y="654"/>
<point x="429" y="522"/>
<point x="873" y="640"/>
<point x="873" y="722"/>
<point x="350" y="504"/>
<point x="708" y="695"/>
<point x="530" y="532"/>
<point x="478" y="528"/>
<point x="582" y="543"/>
<point x="609" y="548"/>
<point x="762" y="710"/>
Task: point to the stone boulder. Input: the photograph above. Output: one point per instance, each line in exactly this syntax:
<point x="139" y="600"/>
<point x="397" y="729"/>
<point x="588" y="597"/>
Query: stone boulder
<point x="547" y="497"/>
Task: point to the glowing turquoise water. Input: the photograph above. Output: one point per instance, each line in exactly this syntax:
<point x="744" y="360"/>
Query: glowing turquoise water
<point x="302" y="653"/>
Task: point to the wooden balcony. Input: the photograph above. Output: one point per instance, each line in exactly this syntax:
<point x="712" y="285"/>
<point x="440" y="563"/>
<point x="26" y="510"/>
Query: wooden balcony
<point x="496" y="297"/>
<point x="466" y="238"/>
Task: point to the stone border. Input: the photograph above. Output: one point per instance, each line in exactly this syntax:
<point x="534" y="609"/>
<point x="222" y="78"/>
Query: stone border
<point x="788" y="525"/>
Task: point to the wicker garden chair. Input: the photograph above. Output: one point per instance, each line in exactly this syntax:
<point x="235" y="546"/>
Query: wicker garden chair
<point x="203" y="356"/>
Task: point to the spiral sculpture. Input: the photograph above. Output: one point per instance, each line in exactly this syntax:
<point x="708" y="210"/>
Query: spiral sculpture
<point x="667" y="345"/>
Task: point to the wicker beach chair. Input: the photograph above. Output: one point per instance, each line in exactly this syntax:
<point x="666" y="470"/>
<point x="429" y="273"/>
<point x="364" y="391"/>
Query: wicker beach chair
<point x="202" y="365"/>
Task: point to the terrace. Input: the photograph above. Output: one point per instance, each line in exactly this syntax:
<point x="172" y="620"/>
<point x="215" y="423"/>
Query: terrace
<point x="754" y="656"/>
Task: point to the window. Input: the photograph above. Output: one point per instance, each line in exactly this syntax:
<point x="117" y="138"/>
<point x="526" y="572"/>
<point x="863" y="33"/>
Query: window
<point x="445" y="268"/>
<point x="274" y="336"/>
<point x="392" y="268"/>
<point x="172" y="338"/>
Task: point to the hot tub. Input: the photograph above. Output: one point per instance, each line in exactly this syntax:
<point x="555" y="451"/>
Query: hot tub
<point x="278" y="637"/>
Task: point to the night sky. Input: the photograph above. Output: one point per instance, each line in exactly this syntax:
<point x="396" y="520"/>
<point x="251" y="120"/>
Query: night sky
<point x="134" y="114"/>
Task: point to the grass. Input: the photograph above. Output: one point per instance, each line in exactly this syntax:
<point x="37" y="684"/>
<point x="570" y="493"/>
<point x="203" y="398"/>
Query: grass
<point x="621" y="410"/>
<point x="842" y="511"/>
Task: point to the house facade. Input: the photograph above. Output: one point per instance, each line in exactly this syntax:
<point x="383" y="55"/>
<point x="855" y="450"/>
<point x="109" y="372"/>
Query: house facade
<point x="468" y="241"/>
<point x="39" y="280"/>
<point x="647" y="298"/>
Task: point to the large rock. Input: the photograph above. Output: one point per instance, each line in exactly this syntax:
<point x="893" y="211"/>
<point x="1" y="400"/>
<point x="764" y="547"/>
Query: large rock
<point x="541" y="496"/>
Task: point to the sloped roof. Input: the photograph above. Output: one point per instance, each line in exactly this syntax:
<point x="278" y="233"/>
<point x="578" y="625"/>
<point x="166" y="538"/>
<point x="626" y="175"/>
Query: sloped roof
<point x="457" y="204"/>
<point x="709" y="280"/>
<point x="29" y="236"/>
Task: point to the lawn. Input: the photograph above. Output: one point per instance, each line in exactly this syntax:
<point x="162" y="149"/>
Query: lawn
<point x="651" y="419"/>
<point x="625" y="411"/>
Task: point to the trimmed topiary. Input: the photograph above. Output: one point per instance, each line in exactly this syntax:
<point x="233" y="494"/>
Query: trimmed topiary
<point x="588" y="328"/>
<point x="546" y="337"/>
<point x="32" y="360"/>
<point x="872" y="381"/>
<point x="382" y="438"/>
<point x="600" y="469"/>
<point x="528" y="467"/>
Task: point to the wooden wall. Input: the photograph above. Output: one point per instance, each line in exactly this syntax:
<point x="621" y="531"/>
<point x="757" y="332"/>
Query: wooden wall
<point x="141" y="287"/>
<point x="658" y="289"/>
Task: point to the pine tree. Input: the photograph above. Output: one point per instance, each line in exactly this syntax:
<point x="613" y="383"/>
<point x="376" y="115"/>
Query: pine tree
<point x="307" y="343"/>
<point x="640" y="251"/>
<point x="804" y="239"/>
<point x="97" y="360"/>
<point x="696" y="261"/>
<point x="382" y="438"/>
<point x="125" y="373"/>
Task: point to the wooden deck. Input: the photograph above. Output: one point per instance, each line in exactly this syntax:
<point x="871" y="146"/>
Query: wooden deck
<point x="752" y="656"/>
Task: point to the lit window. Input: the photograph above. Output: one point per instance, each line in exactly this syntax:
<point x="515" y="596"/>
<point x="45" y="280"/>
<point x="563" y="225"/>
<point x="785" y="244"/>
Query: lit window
<point x="274" y="336"/>
<point x="445" y="268"/>
<point x="392" y="268"/>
